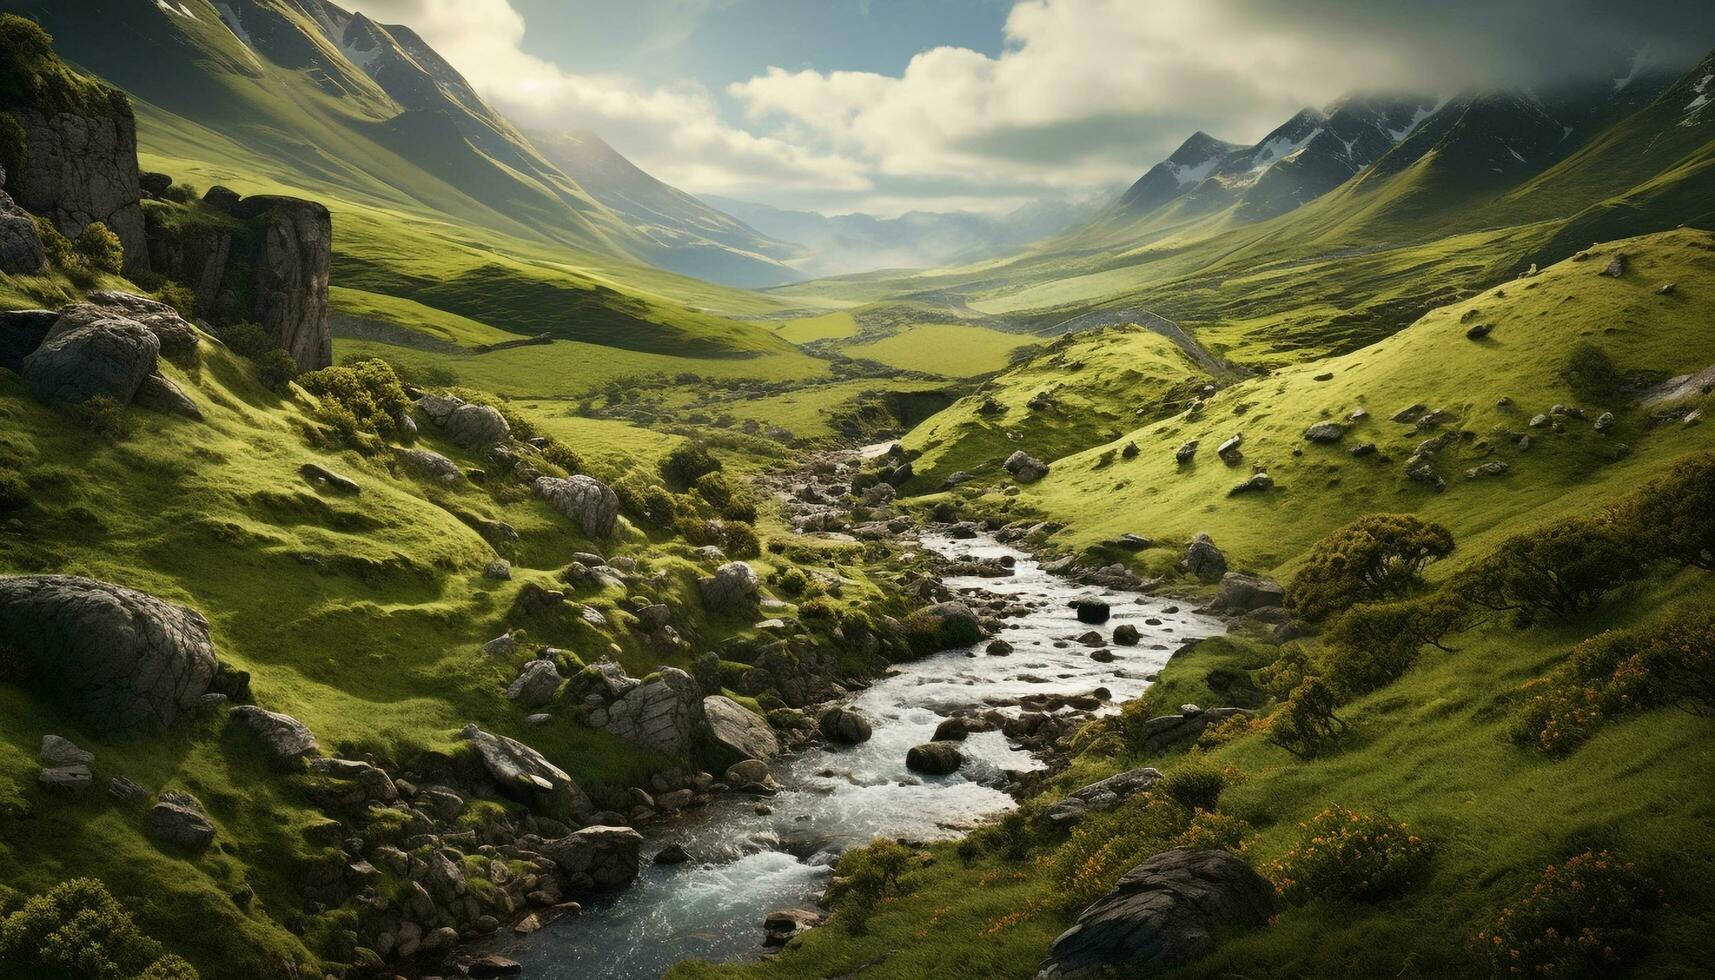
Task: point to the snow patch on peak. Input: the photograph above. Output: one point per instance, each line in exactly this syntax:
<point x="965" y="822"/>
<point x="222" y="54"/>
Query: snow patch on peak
<point x="1639" y="62"/>
<point x="1278" y="149"/>
<point x="229" y="17"/>
<point x="1193" y="174"/>
<point x="1422" y="113"/>
<point x="1694" y="110"/>
<point x="179" y="10"/>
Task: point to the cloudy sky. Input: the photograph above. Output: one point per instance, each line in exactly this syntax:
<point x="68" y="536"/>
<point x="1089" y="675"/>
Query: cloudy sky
<point x="888" y="105"/>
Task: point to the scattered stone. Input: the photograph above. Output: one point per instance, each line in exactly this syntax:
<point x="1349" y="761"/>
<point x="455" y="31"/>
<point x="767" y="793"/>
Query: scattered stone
<point x="490" y="965"/>
<point x="125" y="792"/>
<point x="1326" y="432"/>
<point x="476" y="426"/>
<point x="1257" y="483"/>
<point x="1666" y="289"/>
<point x="178" y="819"/>
<point x="522" y="771"/>
<point x="1494" y="467"/>
<point x="1025" y="468"/>
<point x="1425" y="474"/>
<point x="536" y="685"/>
<point x="583" y="499"/>
<point x="1185" y="453"/>
<point x="285" y="737"/>
<point x="158" y="394"/>
<point x="1126" y="635"/>
<point x="1604" y="422"/>
<point x="738" y="731"/>
<point x="1103" y="656"/>
<point x="733" y="584"/>
<point x="1165" y="913"/>
<point x="499" y="569"/>
<point x="1229" y="450"/>
<point x="1539" y="421"/>
<point x="785" y="925"/>
<point x="429" y="465"/>
<point x="1616" y="267"/>
<point x="70" y="781"/>
<point x="86" y="357"/>
<point x="1363" y="449"/>
<point x="672" y="854"/>
<point x="319" y="474"/>
<point x="1243" y="593"/>
<point x="751" y="776"/>
<point x="1478" y="331"/>
<point x="57" y="751"/>
<point x="1204" y="560"/>
<point x="998" y="648"/>
<point x="1101" y="797"/>
<point x="1089" y="609"/>
<point x="1410" y="413"/>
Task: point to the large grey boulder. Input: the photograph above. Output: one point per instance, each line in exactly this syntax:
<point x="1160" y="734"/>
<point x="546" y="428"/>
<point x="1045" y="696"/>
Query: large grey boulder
<point x="664" y="714"/>
<point x="583" y="499"/>
<point x="608" y="856"/>
<point x="82" y="358"/>
<point x="1204" y="560"/>
<point x="476" y="426"/>
<point x="1243" y="593"/>
<point x="1100" y="797"/>
<point x="287" y="739"/>
<point x="159" y="394"/>
<point x="178" y="819"/>
<point x="522" y="772"/>
<point x="1164" y="731"/>
<point x="1326" y="432"/>
<point x="175" y="333"/>
<point x="1024" y="467"/>
<point x="733" y="584"/>
<point x="21" y="249"/>
<point x="59" y="751"/>
<point x="536" y="684"/>
<point x="80" y="169"/>
<point x="1164" y="913"/>
<point x="737" y="732"/>
<point x="429" y="465"/>
<point x="117" y="656"/>
<point x="290" y="282"/>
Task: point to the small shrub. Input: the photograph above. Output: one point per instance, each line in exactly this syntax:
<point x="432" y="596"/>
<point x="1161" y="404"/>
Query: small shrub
<point x="1105" y="846"/>
<point x="1564" y="569"/>
<point x="361" y="402"/>
<point x="1226" y="732"/>
<point x="688" y="462"/>
<point x="1674" y="517"/>
<point x="562" y="455"/>
<point x="1581" y="919"/>
<point x="739" y="540"/>
<point x="1591" y="373"/>
<point x="1288" y="670"/>
<point x="1195" y="783"/>
<point x="1214" y="832"/>
<point x="276" y="369"/>
<point x="1377" y="557"/>
<point x="178" y="297"/>
<point x="104" y="416"/>
<point x="1670" y="662"/>
<point x="1372" y="645"/>
<point x="1345" y="854"/>
<point x="246" y="339"/>
<point x="181" y="193"/>
<point x="1306" y="724"/>
<point x="100" y="248"/>
<point x="78" y="931"/>
<point x="789" y="581"/>
<point x="58" y="247"/>
<point x="870" y="875"/>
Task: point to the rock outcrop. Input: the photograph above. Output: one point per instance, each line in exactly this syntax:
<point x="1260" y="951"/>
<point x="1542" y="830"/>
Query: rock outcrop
<point x="1024" y="467"/>
<point x="117" y="656"/>
<point x="1100" y="797"/>
<point x="736" y="732"/>
<point x="608" y="856"/>
<point x="732" y="585"/>
<point x="287" y="739"/>
<point x="83" y="358"/>
<point x="21" y="249"/>
<point x="1204" y="560"/>
<point x="583" y="499"/>
<point x="522" y="772"/>
<point x="80" y="166"/>
<point x="1164" y="913"/>
<point x="664" y="714"/>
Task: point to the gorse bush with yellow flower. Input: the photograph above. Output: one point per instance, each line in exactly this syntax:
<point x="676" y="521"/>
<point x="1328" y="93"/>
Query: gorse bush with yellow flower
<point x="1107" y="845"/>
<point x="1667" y="663"/>
<point x="1579" y="920"/>
<point x="1346" y="854"/>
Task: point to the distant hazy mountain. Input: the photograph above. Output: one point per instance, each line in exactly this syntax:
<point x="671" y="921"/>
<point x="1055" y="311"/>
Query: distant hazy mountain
<point x="704" y="241"/>
<point x="849" y="243"/>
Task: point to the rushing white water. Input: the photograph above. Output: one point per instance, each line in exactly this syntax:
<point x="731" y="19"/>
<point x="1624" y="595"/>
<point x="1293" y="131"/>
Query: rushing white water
<point x="745" y="865"/>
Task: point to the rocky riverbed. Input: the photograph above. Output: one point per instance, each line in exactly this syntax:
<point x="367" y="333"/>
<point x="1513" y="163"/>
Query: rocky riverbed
<point x="747" y="855"/>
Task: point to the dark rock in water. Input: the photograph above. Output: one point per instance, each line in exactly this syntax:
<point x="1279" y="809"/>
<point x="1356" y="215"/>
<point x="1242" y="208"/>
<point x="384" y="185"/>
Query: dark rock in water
<point x="608" y="855"/>
<point x="672" y="854"/>
<point x="1204" y="560"/>
<point x="490" y="965"/>
<point x="998" y="648"/>
<point x="843" y="725"/>
<point x="1126" y="635"/>
<point x="1101" y="796"/>
<point x="1090" y="609"/>
<point x="117" y="656"/>
<point x="953" y="624"/>
<point x="178" y="819"/>
<point x="935" y="758"/>
<point x="1165" y="913"/>
<point x="84" y="358"/>
<point x="1103" y="656"/>
<point x="736" y="731"/>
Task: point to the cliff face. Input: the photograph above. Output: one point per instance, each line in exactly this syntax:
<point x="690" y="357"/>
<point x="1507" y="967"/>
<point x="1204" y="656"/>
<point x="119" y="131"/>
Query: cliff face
<point x="83" y="168"/>
<point x="20" y="246"/>
<point x="260" y="259"/>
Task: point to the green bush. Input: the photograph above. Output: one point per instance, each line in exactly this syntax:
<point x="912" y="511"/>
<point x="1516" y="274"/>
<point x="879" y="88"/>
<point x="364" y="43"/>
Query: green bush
<point x="1377" y="557"/>
<point x="739" y="540"/>
<point x="1305" y="724"/>
<point x="687" y="463"/>
<point x="1582" y="919"/>
<point x="276" y="369"/>
<point x="867" y="876"/>
<point x="1105" y="846"/>
<point x="1214" y="832"/>
<point x="103" y="416"/>
<point x="1674" y="517"/>
<point x="1372" y="645"/>
<point x="58" y="247"/>
<point x="14" y="146"/>
<point x="14" y="492"/>
<point x="362" y="402"/>
<point x="178" y="297"/>
<point x="562" y="455"/>
<point x="1564" y="569"/>
<point x="100" y="248"/>
<point x="1669" y="662"/>
<point x="1591" y="373"/>
<point x="1345" y="854"/>
<point x="1195" y="783"/>
<point x="77" y="931"/>
<point x="181" y="193"/>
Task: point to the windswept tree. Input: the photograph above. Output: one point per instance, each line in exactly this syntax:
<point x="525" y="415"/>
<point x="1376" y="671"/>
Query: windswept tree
<point x="1373" y="559"/>
<point x="1674" y="517"/>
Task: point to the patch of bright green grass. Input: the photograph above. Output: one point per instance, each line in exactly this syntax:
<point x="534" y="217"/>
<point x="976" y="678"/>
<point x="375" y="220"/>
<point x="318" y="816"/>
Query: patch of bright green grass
<point x="828" y="326"/>
<point x="950" y="350"/>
